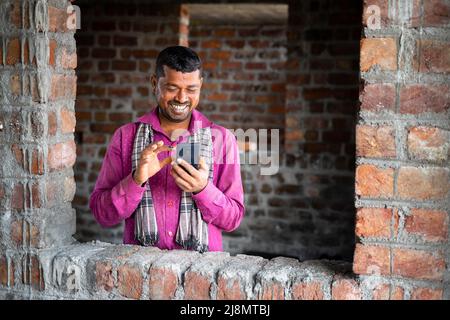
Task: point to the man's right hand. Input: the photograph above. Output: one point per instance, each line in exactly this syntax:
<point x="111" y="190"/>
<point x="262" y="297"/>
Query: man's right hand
<point x="148" y="164"/>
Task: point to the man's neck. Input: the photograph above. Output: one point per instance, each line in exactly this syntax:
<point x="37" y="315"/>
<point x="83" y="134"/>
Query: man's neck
<point x="169" y="126"/>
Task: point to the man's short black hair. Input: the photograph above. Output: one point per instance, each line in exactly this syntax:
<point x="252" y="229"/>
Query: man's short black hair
<point x="178" y="58"/>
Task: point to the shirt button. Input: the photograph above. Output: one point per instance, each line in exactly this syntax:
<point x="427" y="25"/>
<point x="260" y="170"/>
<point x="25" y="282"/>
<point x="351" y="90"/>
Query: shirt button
<point x="170" y="233"/>
<point x="170" y="203"/>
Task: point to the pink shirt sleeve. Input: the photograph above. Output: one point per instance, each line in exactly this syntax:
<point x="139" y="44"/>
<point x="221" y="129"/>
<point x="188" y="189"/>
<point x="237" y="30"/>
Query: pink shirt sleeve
<point x="223" y="204"/>
<point x="116" y="195"/>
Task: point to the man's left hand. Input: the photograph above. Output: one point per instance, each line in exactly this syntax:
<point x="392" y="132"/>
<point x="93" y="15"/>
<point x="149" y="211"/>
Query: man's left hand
<point x="193" y="180"/>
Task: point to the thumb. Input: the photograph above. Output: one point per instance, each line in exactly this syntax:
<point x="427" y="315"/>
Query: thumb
<point x="202" y="164"/>
<point x="165" y="162"/>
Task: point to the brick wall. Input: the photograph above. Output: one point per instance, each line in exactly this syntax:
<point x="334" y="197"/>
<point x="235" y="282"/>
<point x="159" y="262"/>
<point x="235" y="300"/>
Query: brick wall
<point x="307" y="209"/>
<point x="402" y="183"/>
<point x="37" y="93"/>
<point x="402" y="177"/>
<point x="244" y="73"/>
<point x="117" y="47"/>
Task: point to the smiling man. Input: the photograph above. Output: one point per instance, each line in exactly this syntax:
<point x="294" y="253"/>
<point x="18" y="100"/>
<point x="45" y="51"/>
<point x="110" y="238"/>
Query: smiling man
<point x="168" y="202"/>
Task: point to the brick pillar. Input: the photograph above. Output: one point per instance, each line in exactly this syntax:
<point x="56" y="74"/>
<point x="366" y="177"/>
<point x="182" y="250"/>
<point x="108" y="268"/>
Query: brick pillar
<point x="184" y="26"/>
<point x="37" y="92"/>
<point x="402" y="177"/>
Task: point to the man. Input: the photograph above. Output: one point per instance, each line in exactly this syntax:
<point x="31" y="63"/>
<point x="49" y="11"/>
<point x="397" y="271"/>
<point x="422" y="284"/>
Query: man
<point x="165" y="203"/>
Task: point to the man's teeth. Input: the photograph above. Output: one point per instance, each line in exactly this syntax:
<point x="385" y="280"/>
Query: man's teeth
<point x="179" y="107"/>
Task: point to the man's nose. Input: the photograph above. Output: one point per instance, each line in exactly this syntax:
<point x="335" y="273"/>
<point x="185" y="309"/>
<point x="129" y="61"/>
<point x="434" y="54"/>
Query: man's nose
<point x="181" y="96"/>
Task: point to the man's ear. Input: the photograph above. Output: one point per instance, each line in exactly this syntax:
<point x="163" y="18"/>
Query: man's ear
<point x="154" y="82"/>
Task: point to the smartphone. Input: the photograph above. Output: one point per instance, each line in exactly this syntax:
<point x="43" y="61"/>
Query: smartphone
<point x="189" y="152"/>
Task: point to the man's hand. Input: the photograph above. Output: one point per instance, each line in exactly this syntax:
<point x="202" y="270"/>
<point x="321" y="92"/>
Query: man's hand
<point x="192" y="181"/>
<point x="148" y="164"/>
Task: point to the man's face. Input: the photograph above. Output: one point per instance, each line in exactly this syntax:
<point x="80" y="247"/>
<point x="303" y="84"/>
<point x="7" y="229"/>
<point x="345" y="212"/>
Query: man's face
<point x="177" y="93"/>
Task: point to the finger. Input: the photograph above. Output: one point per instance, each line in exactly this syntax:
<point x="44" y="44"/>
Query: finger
<point x="153" y="146"/>
<point x="192" y="171"/>
<point x="162" y="148"/>
<point x="183" y="174"/>
<point x="203" y="165"/>
<point x="179" y="180"/>
<point x="183" y="184"/>
<point x="164" y="162"/>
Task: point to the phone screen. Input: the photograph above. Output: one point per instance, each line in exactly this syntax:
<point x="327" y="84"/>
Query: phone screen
<point x="189" y="152"/>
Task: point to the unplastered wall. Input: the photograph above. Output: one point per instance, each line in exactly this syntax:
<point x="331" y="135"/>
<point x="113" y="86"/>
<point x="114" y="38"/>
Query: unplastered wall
<point x="117" y="47"/>
<point x="402" y="147"/>
<point x="402" y="199"/>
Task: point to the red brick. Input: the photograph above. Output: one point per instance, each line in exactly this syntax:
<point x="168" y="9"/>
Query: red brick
<point x="63" y="86"/>
<point x="217" y="97"/>
<point x="272" y="291"/>
<point x="15" y="14"/>
<point x="372" y="181"/>
<point x="52" y="123"/>
<point x="345" y="289"/>
<point x="308" y="291"/>
<point x="221" y="55"/>
<point x="419" y="98"/>
<point x="317" y="93"/>
<point x="37" y="281"/>
<point x="19" y="200"/>
<point x="124" y="65"/>
<point x="397" y="293"/>
<point x="129" y="281"/>
<point x="120" y="92"/>
<point x="120" y="117"/>
<point x="36" y="166"/>
<point x="68" y="60"/>
<point x="230" y="289"/>
<point x="426" y="294"/>
<point x="434" y="56"/>
<point x="62" y="155"/>
<point x="224" y="32"/>
<point x="430" y="225"/>
<point x="57" y="19"/>
<point x="52" y="49"/>
<point x="422" y="183"/>
<point x="103" y="53"/>
<point x="104" y="77"/>
<point x="162" y="284"/>
<point x="381" y="292"/>
<point x="13" y="52"/>
<point x="211" y="44"/>
<point x="68" y="121"/>
<point x="378" y="51"/>
<point x="418" y="264"/>
<point x="373" y="222"/>
<point x="103" y="127"/>
<point x="104" y="25"/>
<point x="371" y="260"/>
<point x="436" y="13"/>
<point x="255" y="66"/>
<point x="374" y="141"/>
<point x="103" y="276"/>
<point x="125" y="41"/>
<point x="31" y="236"/>
<point x="196" y="286"/>
<point x="425" y="143"/>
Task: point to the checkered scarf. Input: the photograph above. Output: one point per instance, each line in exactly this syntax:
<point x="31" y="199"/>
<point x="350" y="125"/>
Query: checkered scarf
<point x="192" y="232"/>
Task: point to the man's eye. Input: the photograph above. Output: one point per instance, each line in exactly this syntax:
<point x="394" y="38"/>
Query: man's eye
<point x="192" y="90"/>
<point x="171" y="89"/>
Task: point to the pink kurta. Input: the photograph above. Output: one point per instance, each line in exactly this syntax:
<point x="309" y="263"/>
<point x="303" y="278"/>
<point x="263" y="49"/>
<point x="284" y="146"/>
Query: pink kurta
<point x="116" y="195"/>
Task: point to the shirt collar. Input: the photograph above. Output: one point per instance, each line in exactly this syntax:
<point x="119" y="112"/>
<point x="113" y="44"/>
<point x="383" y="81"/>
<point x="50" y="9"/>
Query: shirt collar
<point x="198" y="120"/>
